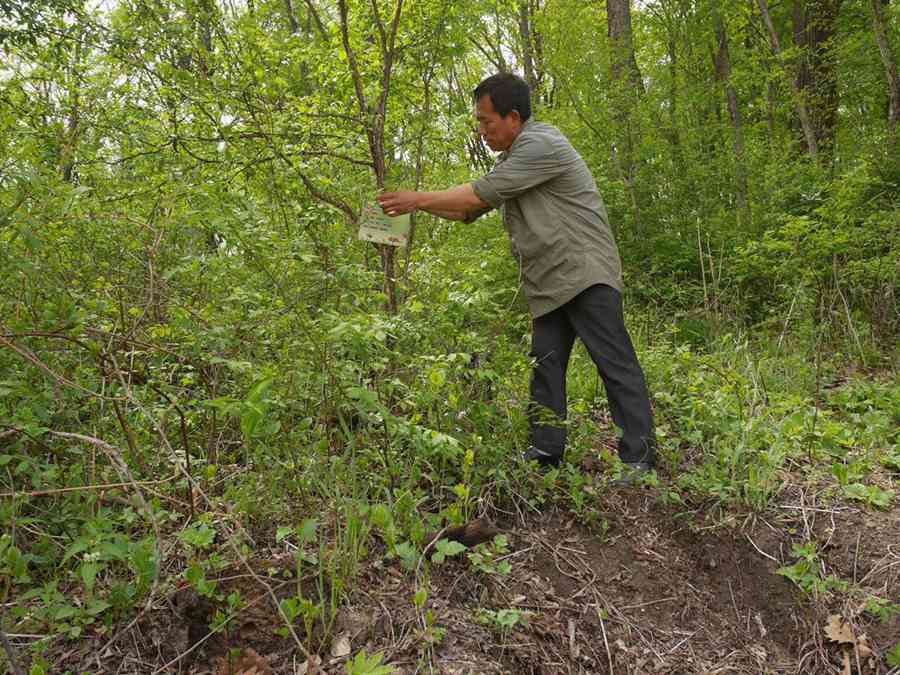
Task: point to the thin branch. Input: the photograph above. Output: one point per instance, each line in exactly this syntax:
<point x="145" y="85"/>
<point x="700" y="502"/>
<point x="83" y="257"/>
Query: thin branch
<point x="10" y="652"/>
<point x="29" y="356"/>
<point x="11" y="211"/>
<point x="328" y="199"/>
<point x="380" y="25"/>
<point x="87" y="488"/>
<point x="351" y="59"/>
<point x="334" y="155"/>
<point x="316" y="19"/>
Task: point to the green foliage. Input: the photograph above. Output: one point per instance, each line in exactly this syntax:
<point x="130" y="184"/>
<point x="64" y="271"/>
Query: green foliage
<point x="883" y="609"/>
<point x="503" y="620"/>
<point x="445" y="548"/>
<point x="182" y="281"/>
<point x="363" y="664"/>
<point x="893" y="656"/>
<point x="487" y="558"/>
<point x="806" y="573"/>
<point x="870" y="494"/>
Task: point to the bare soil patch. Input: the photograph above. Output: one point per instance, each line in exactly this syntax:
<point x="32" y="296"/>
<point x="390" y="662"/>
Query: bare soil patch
<point x="656" y="591"/>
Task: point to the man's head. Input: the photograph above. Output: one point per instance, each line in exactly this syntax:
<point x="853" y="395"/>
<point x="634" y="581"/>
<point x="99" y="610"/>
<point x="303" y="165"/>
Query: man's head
<point x="502" y="106"/>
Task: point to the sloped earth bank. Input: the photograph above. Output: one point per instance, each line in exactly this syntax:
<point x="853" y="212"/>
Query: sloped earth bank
<point x="657" y="592"/>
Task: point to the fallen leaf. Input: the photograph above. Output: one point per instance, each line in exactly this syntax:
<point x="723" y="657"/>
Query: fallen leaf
<point x="341" y="646"/>
<point x="759" y="622"/>
<point x="249" y="663"/>
<point x="840" y="631"/>
<point x="308" y="667"/>
<point x="862" y="644"/>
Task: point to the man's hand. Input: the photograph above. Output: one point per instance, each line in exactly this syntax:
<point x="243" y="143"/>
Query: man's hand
<point x="456" y="203"/>
<point x="398" y="203"/>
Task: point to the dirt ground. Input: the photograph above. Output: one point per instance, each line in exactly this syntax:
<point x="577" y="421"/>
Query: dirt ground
<point x="658" y="590"/>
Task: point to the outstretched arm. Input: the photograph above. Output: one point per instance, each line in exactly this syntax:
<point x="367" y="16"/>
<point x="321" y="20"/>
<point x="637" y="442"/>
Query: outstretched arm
<point x="456" y="203"/>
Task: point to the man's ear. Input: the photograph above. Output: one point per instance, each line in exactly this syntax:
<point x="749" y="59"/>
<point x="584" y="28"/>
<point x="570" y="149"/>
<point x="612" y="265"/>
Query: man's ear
<point x="515" y="116"/>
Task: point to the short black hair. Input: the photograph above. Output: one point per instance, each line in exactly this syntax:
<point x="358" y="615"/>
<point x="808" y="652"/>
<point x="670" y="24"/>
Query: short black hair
<point x="508" y="92"/>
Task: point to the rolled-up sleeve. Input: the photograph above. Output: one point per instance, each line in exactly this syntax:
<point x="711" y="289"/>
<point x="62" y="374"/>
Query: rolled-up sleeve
<point x="474" y="215"/>
<point x="530" y="162"/>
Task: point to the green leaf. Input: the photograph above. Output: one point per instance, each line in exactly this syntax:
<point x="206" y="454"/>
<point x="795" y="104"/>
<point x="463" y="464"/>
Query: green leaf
<point x="65" y="612"/>
<point x="283" y="532"/>
<point x="201" y="536"/>
<point x="446" y="548"/>
<point x="307" y="531"/>
<point x="89" y="571"/>
<point x="96" y="607"/>
<point x="893" y="656"/>
<point x="258" y="390"/>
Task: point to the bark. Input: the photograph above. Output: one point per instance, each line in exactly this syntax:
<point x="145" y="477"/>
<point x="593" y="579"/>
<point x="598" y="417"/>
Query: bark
<point x="628" y="88"/>
<point x="879" y="26"/>
<point x="806" y="123"/>
<point x="420" y="160"/>
<point x="816" y="77"/>
<point x="313" y="14"/>
<point x="723" y="75"/>
<point x="375" y="116"/>
<point x="673" y="135"/>
<point x="624" y="64"/>
<point x="292" y="17"/>
<point x="69" y="139"/>
<point x="530" y="41"/>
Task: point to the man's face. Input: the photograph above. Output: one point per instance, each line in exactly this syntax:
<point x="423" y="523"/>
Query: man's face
<point x="498" y="132"/>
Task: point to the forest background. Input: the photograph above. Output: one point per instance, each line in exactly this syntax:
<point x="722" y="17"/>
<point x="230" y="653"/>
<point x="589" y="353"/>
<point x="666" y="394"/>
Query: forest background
<point x="197" y="353"/>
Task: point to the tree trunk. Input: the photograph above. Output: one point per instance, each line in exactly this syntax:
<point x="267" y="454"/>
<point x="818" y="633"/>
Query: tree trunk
<point x="624" y="65"/>
<point x="530" y="42"/>
<point x="69" y="137"/>
<point x="628" y="88"/>
<point x="816" y="78"/>
<point x="673" y="135"/>
<point x="525" y="37"/>
<point x="890" y="68"/>
<point x="387" y="35"/>
<point x="292" y="17"/>
<point x="806" y="124"/>
<point x="723" y="75"/>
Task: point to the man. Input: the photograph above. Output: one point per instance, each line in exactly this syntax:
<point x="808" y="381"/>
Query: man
<point x="560" y="232"/>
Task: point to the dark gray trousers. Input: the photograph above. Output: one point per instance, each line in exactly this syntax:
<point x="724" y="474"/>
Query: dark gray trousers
<point x="595" y="316"/>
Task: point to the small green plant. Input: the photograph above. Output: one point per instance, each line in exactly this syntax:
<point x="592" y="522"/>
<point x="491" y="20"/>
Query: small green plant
<point x="445" y="548"/>
<point x="871" y="495"/>
<point x="199" y="536"/>
<point x="805" y="572"/>
<point x="303" y="608"/>
<point x="486" y="557"/>
<point x="224" y="616"/>
<point x="893" y="656"/>
<point x="503" y="620"/>
<point x="892" y="460"/>
<point x="363" y="664"/>
<point x="883" y="609"/>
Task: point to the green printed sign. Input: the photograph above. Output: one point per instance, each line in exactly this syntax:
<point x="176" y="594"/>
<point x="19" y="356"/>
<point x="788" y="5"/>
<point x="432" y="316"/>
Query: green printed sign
<point x="380" y="228"/>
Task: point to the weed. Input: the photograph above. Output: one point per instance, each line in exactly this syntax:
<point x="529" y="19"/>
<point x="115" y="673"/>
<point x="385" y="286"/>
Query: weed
<point x="487" y="557"/>
<point x="363" y="664"/>
<point x="883" y="609"/>
<point x="503" y="620"/>
<point x="444" y="549"/>
<point x="805" y="571"/>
